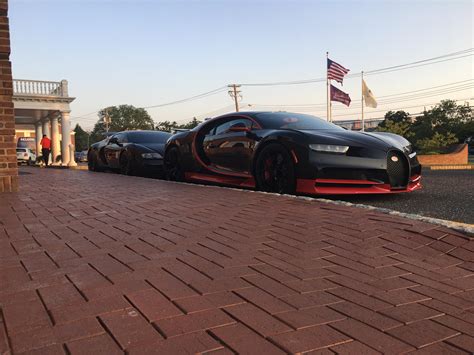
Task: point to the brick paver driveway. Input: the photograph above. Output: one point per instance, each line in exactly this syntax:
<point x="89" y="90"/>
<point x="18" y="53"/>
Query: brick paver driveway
<point x="103" y="263"/>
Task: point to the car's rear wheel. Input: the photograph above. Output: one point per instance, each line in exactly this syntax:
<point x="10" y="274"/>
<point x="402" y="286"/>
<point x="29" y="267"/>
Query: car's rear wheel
<point x="274" y="171"/>
<point x="172" y="164"/>
<point x="126" y="164"/>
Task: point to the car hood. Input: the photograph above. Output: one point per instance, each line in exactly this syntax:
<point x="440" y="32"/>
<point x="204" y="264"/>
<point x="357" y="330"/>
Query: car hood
<point x="379" y="140"/>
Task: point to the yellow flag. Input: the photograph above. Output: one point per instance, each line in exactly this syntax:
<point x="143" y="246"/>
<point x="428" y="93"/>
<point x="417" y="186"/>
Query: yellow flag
<point x="368" y="96"/>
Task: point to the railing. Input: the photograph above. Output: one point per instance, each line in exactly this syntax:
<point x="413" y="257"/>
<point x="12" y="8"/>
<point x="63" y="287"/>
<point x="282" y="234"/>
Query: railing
<point x="40" y="88"/>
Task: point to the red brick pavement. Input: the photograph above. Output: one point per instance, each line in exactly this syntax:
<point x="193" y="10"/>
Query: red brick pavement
<point x="103" y="263"/>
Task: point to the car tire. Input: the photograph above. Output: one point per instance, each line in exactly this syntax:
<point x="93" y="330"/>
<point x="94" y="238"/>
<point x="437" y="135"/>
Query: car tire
<point x="126" y="164"/>
<point x="274" y="170"/>
<point x="172" y="165"/>
<point x="92" y="164"/>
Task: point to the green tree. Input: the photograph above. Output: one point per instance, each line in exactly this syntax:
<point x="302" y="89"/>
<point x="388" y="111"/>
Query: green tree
<point x="397" y="122"/>
<point x="401" y="128"/>
<point x="436" y="143"/>
<point x="445" y="118"/>
<point x="190" y="125"/>
<point x="82" y="138"/>
<point x="166" y="126"/>
<point x="395" y="117"/>
<point x="122" y="118"/>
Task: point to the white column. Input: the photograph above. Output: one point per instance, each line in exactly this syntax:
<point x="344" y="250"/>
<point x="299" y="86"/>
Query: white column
<point x="54" y="139"/>
<point x="39" y="135"/>
<point x="46" y="130"/>
<point x="66" y="136"/>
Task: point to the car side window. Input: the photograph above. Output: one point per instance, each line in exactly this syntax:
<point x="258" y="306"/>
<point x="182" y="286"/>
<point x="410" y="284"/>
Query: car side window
<point x="122" y="138"/>
<point x="224" y="127"/>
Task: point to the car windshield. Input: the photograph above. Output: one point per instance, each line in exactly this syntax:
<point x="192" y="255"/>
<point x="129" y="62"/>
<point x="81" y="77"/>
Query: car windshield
<point x="148" y="137"/>
<point x="288" y="120"/>
<point x="21" y="150"/>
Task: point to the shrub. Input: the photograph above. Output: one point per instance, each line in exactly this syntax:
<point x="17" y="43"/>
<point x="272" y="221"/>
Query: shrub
<point x="436" y="143"/>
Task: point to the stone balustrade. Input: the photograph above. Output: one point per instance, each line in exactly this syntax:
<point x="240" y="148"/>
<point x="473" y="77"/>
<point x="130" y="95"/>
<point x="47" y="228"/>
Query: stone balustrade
<point x="40" y="88"/>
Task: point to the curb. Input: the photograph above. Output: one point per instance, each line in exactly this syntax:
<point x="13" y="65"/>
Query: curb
<point x="450" y="167"/>
<point x="457" y="226"/>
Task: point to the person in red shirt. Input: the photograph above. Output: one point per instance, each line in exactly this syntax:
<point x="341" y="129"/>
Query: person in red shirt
<point x="45" y="148"/>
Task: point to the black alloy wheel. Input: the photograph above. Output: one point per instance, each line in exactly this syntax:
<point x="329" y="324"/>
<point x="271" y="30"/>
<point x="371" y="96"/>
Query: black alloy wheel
<point x="275" y="170"/>
<point x="172" y="163"/>
<point x="126" y="164"/>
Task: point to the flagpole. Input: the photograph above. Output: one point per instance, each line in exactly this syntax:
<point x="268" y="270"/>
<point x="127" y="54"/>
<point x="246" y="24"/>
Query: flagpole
<point x="327" y="88"/>
<point x="362" y="98"/>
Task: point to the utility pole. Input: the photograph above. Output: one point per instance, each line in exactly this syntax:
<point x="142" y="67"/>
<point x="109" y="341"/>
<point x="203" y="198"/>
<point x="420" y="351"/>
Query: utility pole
<point x="235" y="94"/>
<point x="362" y="99"/>
<point x="107" y="120"/>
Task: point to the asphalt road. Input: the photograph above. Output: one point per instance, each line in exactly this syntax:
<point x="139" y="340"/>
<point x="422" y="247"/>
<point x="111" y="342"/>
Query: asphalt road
<point x="446" y="194"/>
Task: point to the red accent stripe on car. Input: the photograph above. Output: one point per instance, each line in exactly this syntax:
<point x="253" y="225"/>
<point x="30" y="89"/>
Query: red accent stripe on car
<point x="226" y="180"/>
<point x="309" y="186"/>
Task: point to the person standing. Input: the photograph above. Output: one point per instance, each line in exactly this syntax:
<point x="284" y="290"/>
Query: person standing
<point x="45" y="148"/>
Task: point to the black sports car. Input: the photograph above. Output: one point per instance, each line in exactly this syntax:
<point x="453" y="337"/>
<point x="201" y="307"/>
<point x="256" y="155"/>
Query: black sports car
<point x="130" y="152"/>
<point x="292" y="153"/>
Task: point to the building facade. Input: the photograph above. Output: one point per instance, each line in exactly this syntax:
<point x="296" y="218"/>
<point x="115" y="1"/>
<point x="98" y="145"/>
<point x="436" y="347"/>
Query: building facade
<point x="8" y="164"/>
<point x="42" y="108"/>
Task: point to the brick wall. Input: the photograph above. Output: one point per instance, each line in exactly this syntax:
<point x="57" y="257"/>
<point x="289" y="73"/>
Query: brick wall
<point x="8" y="165"/>
<point x="460" y="156"/>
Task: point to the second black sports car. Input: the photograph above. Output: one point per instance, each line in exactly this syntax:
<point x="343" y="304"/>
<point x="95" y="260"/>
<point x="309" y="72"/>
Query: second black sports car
<point x="292" y="153"/>
<point x="130" y="152"/>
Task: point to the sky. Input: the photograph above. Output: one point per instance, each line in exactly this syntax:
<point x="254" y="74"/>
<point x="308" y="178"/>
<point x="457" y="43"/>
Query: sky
<point x="147" y="53"/>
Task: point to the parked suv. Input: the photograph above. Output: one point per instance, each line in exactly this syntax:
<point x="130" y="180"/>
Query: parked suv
<point x="25" y="156"/>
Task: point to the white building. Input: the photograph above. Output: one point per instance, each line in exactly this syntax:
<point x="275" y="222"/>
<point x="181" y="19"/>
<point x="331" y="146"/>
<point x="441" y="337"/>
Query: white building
<point x="42" y="107"/>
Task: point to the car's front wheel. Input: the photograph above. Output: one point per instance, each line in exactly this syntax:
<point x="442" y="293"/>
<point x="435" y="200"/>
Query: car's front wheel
<point x="93" y="164"/>
<point x="274" y="170"/>
<point x="126" y="164"/>
<point x="172" y="164"/>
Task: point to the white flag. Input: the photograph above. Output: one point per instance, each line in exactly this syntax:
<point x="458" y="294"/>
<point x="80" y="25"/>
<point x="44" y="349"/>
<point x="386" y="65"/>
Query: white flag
<point x="368" y="96"/>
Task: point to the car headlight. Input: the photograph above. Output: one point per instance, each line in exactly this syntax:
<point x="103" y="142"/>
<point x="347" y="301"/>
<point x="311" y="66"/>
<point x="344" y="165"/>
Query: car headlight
<point x="151" y="156"/>
<point x="329" y="148"/>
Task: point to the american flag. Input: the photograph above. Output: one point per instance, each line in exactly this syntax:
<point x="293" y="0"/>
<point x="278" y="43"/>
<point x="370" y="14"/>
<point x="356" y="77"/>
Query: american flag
<point x="340" y="96"/>
<point x="336" y="71"/>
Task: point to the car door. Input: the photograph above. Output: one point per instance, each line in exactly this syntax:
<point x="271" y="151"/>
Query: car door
<point x="230" y="147"/>
<point x="112" y="150"/>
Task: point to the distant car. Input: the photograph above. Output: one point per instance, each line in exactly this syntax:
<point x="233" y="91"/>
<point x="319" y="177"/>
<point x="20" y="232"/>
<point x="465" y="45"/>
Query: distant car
<point x="286" y="152"/>
<point x="25" y="156"/>
<point x="130" y="152"/>
<point x="470" y="144"/>
<point x="81" y="157"/>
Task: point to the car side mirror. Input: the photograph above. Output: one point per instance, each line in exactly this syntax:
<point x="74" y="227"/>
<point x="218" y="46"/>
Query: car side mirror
<point x="114" y="140"/>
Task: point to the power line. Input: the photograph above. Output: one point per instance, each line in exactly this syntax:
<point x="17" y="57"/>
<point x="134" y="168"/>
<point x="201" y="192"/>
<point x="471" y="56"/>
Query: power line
<point x="195" y="97"/>
<point x="372" y="72"/>
<point x="422" y="61"/>
<point x="464" y="83"/>
<point x="401" y="108"/>
<point x="208" y="93"/>
<point x="224" y="109"/>
<point x="428" y="61"/>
